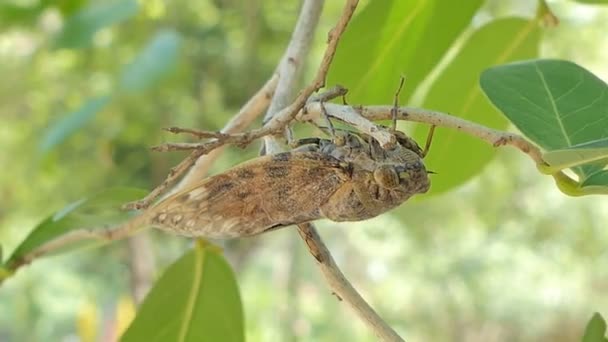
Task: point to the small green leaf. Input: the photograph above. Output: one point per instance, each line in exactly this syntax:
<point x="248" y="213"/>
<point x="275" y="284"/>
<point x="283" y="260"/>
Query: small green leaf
<point x="455" y="156"/>
<point x="79" y="29"/>
<point x="196" y="299"/>
<point x="598" y="179"/>
<point x="72" y="122"/>
<point x="591" y="152"/>
<point x="557" y="104"/>
<point x="156" y="61"/>
<point x="594" y="2"/>
<point x="98" y="211"/>
<point x="595" y="330"/>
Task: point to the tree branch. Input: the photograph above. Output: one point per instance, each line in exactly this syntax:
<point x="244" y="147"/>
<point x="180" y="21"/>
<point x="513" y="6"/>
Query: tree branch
<point x="297" y="49"/>
<point x="246" y="115"/>
<point x="252" y="109"/>
<point x="341" y="287"/>
<point x="355" y="115"/>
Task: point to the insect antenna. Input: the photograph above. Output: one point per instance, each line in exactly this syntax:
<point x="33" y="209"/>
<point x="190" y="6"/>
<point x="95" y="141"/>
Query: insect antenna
<point x="395" y="108"/>
<point x="429" y="140"/>
<point x="330" y="125"/>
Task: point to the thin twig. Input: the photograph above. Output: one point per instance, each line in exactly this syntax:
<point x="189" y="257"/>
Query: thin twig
<point x="196" y="132"/>
<point x="494" y="137"/>
<point x="169" y="147"/>
<point x="342" y="287"/>
<point x="246" y="115"/>
<point x="328" y="94"/>
<point x="243" y="118"/>
<point x="334" y="277"/>
<point x="275" y="125"/>
<point x="100" y="234"/>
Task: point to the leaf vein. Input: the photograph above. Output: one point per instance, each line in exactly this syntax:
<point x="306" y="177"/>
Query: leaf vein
<point x="553" y="104"/>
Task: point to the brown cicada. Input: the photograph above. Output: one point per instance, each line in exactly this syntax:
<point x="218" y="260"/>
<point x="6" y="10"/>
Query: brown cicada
<point x="348" y="178"/>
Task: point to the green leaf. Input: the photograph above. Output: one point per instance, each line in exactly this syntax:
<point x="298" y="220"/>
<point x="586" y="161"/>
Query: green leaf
<point x="598" y="179"/>
<point x="557" y="104"/>
<point x="457" y="157"/>
<point x="72" y="122"/>
<point x="405" y="40"/>
<point x="156" y="61"/>
<point x="196" y="299"/>
<point x="591" y="152"/>
<point x="80" y="28"/>
<point x="98" y="211"/>
<point x="595" y="330"/>
<point x="595" y="2"/>
<point x="25" y="16"/>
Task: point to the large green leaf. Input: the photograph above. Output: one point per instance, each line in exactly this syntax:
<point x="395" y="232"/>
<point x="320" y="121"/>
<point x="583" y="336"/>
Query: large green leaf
<point x="457" y="157"/>
<point x="196" y="299"/>
<point x="389" y="38"/>
<point x="98" y="211"/>
<point x="79" y="28"/>
<point x="71" y="123"/>
<point x="156" y="60"/>
<point x="595" y="330"/>
<point x="557" y="104"/>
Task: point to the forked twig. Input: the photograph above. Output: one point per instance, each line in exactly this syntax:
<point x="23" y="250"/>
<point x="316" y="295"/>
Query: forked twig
<point x="243" y="118"/>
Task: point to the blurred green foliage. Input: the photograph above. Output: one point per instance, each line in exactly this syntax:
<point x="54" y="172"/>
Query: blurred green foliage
<point x="88" y="85"/>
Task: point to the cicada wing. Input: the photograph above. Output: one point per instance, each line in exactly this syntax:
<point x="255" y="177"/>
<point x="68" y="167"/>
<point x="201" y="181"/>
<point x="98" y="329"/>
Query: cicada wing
<point x="261" y="194"/>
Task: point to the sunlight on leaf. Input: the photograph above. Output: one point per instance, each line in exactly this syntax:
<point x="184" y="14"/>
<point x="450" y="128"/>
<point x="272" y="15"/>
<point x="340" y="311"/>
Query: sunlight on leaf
<point x="457" y="157"/>
<point x="369" y="62"/>
<point x="196" y="299"/>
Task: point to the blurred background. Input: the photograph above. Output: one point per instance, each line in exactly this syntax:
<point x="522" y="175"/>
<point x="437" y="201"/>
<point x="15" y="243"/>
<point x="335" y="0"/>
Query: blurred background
<point x="505" y="257"/>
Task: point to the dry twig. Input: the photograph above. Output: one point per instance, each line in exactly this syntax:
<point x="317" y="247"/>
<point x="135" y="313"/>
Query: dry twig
<point x="333" y="275"/>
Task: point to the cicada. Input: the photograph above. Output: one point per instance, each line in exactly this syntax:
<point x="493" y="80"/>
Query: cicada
<point x="347" y="178"/>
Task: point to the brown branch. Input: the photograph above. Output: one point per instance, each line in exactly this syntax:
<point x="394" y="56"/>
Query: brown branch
<point x="334" y="277"/>
<point x="342" y="287"/>
<point x="246" y="115"/>
<point x="355" y="115"/>
<point x="196" y="132"/>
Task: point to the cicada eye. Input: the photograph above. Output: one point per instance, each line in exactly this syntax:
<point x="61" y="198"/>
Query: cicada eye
<point x="386" y="176"/>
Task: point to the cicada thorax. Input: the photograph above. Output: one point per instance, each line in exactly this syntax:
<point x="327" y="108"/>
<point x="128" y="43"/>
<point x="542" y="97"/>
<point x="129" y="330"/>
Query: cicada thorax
<point x="381" y="179"/>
